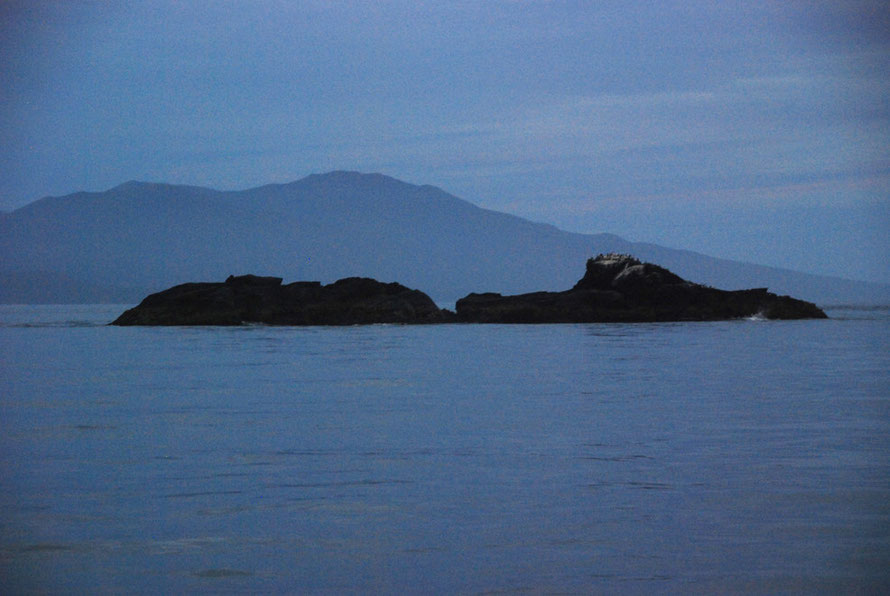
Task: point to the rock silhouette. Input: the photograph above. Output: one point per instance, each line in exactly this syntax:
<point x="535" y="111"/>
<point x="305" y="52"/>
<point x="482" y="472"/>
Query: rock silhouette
<point x="615" y="288"/>
<point x="251" y="299"/>
<point x="619" y="287"/>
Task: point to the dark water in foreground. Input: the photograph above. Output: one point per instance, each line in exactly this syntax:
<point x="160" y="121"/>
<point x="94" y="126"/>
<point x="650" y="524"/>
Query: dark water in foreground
<point x="744" y="456"/>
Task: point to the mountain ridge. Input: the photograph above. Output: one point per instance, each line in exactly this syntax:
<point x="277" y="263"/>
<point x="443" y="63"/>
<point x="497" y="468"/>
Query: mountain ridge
<point x="148" y="236"/>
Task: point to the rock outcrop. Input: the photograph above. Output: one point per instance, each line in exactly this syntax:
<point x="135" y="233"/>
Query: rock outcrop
<point x="620" y="288"/>
<point x="251" y="299"/>
<point x="615" y="288"/>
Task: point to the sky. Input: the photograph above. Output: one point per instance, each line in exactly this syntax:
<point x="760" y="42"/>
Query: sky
<point x="756" y="131"/>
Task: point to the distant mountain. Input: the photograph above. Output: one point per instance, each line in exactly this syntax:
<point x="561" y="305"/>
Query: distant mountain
<point x="139" y="237"/>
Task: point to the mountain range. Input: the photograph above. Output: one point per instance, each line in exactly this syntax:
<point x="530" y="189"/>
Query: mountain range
<point x="137" y="238"/>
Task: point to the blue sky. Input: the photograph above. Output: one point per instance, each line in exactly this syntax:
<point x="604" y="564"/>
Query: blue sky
<point x="756" y="131"/>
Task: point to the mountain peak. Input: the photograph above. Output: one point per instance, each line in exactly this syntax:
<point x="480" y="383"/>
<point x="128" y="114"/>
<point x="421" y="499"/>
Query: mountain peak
<point x="350" y="177"/>
<point x="131" y="185"/>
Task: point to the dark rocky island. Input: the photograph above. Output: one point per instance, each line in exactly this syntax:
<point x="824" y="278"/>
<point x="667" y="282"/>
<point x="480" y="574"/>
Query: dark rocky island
<point x="251" y="299"/>
<point x="620" y="288"/>
<point x="615" y="288"/>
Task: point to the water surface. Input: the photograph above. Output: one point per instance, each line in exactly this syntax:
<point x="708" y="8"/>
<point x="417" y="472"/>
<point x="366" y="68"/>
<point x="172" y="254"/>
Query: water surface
<point x="741" y="456"/>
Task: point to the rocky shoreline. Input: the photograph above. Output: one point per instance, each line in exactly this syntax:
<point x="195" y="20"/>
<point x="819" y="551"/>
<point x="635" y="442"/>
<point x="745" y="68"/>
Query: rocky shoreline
<point x="615" y="288"/>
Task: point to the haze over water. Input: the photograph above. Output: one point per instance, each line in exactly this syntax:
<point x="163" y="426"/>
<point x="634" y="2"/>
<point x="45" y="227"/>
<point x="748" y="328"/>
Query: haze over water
<point x="740" y="456"/>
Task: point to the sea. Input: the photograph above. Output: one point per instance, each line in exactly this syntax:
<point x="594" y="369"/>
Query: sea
<point x="745" y="456"/>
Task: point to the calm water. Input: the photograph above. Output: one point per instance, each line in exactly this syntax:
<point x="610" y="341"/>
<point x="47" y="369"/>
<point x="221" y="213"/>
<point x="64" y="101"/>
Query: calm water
<point x="744" y="456"/>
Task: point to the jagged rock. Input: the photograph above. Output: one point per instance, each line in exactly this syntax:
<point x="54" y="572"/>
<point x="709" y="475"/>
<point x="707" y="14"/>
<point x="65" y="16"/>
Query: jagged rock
<point x="621" y="288"/>
<point x="253" y="299"/>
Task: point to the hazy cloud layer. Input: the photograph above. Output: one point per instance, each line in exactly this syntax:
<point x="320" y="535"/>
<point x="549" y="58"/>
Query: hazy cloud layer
<point x="756" y="131"/>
